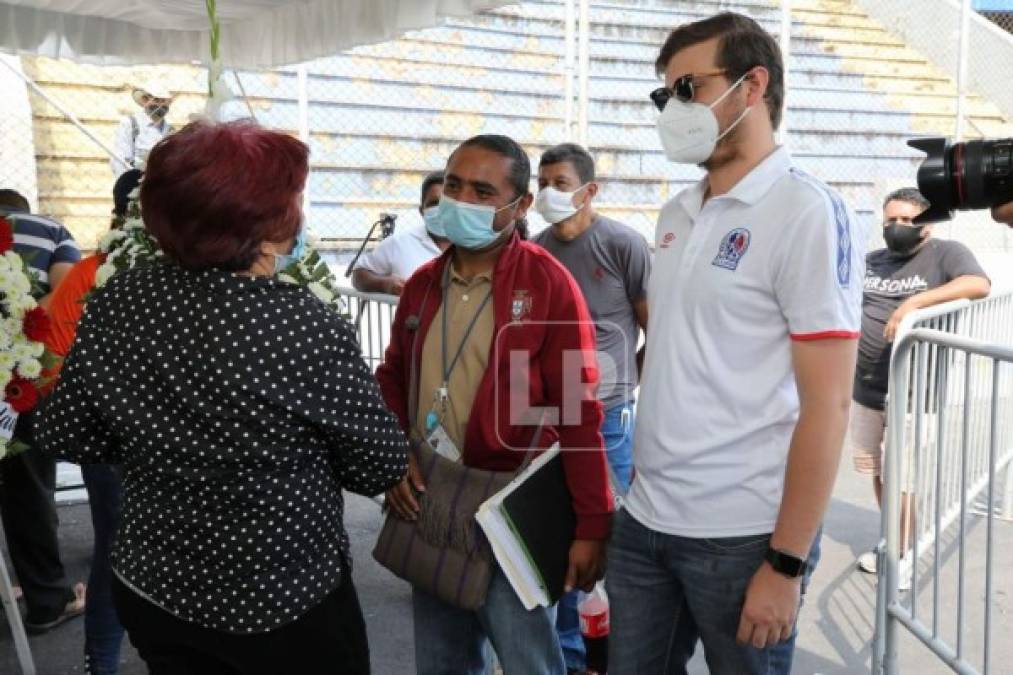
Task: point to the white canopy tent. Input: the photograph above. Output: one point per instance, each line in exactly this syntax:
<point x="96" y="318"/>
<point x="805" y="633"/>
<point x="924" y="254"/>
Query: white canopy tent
<point x="254" y="33"/>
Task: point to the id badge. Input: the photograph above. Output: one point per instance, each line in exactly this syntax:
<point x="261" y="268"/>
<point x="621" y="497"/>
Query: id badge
<point x="442" y="444"/>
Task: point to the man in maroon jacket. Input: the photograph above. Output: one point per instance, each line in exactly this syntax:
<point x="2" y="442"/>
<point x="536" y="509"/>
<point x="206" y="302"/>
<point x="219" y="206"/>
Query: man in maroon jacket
<point x="491" y="330"/>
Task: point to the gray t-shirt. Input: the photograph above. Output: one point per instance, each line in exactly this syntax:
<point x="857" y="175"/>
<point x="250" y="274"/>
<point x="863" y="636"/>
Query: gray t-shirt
<point x="611" y="263"/>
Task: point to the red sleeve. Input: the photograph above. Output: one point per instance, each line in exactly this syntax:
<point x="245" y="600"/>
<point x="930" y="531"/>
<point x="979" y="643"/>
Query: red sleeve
<point x="570" y="347"/>
<point x="66" y="305"/>
<point x="392" y="373"/>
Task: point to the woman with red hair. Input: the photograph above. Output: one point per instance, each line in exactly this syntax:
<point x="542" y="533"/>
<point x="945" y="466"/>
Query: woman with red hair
<point x="239" y="407"/>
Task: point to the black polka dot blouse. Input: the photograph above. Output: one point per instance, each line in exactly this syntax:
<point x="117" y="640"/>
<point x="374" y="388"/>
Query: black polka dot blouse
<point x="239" y="408"/>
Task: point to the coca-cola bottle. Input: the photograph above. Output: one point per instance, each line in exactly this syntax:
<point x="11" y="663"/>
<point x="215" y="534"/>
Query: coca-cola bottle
<point x="594" y="628"/>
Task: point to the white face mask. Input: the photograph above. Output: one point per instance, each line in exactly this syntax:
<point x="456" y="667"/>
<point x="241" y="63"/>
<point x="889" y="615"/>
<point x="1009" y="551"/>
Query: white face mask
<point x="555" y="206"/>
<point x="689" y="131"/>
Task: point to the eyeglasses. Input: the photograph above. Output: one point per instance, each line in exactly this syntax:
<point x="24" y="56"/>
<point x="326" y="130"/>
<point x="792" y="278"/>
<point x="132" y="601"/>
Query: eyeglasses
<point x="682" y="89"/>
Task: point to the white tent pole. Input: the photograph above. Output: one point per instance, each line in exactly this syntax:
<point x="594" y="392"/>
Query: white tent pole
<point x="302" y="80"/>
<point x="785" y="44"/>
<point x="69" y="115"/>
<point x="568" y="70"/>
<point x="965" y="27"/>
<point x="584" y="67"/>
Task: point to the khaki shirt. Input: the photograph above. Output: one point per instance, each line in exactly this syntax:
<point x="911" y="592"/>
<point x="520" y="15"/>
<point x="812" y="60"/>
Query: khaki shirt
<point x="463" y="300"/>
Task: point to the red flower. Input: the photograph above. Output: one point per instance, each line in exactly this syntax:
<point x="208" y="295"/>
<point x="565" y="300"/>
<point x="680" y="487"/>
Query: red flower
<point x="36" y="324"/>
<point x="6" y="235"/>
<point x="21" y="394"/>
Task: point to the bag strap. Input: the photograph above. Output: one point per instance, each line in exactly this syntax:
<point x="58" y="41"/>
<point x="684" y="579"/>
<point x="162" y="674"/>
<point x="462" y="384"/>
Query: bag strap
<point x="413" y="378"/>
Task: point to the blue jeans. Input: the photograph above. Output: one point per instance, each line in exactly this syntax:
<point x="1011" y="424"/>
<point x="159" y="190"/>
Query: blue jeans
<point x="103" y="633"/>
<point x="617" y="431"/>
<point x="452" y="641"/>
<point x="666" y="592"/>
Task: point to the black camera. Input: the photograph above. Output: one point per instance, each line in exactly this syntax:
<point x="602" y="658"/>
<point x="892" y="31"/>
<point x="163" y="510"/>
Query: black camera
<point x="964" y="176"/>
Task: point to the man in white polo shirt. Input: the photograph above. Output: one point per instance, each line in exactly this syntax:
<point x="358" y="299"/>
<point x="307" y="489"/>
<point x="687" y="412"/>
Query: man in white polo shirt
<point x="755" y="305"/>
<point x="394" y="260"/>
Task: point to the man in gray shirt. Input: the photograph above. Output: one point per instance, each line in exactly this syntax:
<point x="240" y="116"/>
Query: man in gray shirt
<point x="611" y="263"/>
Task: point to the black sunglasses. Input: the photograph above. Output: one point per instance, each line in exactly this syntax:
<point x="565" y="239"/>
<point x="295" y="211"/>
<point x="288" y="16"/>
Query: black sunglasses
<point x="683" y="89"/>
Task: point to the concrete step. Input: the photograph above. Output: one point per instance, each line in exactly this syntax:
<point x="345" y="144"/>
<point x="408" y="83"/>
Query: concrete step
<point x="616" y="155"/>
<point x="638" y="60"/>
<point x="626" y="25"/>
<point x="396" y="69"/>
<point x="275" y="102"/>
<point x="115" y="79"/>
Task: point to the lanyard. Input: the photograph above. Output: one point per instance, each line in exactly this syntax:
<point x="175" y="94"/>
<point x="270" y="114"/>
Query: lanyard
<point x="447" y="370"/>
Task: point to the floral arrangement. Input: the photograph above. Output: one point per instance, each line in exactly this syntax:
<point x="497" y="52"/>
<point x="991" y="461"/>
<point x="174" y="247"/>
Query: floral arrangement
<point x="23" y="328"/>
<point x="312" y="272"/>
<point x="128" y="246"/>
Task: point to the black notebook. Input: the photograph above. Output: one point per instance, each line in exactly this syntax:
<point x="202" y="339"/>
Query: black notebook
<point x="530" y="525"/>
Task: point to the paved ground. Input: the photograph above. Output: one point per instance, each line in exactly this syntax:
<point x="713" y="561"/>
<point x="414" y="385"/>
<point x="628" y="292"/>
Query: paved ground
<point x="836" y="624"/>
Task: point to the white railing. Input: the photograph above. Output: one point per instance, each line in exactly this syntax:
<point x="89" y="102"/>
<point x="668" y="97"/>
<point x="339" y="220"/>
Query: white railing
<point x="949" y="443"/>
<point x="372" y="315"/>
<point x="13" y="613"/>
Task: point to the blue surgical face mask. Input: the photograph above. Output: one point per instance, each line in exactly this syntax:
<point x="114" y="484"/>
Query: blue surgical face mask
<point x="469" y="226"/>
<point x="283" y="260"/>
<point x="433" y="224"/>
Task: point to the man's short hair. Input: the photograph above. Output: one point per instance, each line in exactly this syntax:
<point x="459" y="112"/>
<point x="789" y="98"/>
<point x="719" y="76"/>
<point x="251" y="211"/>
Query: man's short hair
<point x="579" y="158"/>
<point x="743" y="44"/>
<point x="910" y="195"/>
<point x="434" y="178"/>
<point x="14" y="200"/>
<point x="520" y="171"/>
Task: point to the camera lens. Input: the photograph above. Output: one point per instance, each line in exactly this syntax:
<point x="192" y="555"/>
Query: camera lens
<point x="964" y="176"/>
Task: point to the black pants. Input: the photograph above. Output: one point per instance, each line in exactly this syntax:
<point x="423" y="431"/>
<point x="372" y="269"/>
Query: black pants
<point x="27" y="484"/>
<point x="329" y="639"/>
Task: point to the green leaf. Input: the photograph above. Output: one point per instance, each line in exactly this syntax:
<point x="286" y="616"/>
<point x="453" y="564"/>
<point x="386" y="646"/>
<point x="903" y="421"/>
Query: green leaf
<point x="15" y="446"/>
<point x="321" y="273"/>
<point x="50" y="359"/>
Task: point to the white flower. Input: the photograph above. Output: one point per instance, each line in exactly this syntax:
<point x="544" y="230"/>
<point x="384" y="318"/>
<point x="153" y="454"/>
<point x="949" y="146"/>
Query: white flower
<point x="13" y="259"/>
<point x="321" y="292"/>
<point x="104" y="273"/>
<point x="37" y="349"/>
<point x="30" y="369"/>
<point x="21" y="352"/>
<point x="11" y="326"/>
<point x="19" y="304"/>
<point x="22" y="284"/>
<point x="112" y="236"/>
<point x="7" y="362"/>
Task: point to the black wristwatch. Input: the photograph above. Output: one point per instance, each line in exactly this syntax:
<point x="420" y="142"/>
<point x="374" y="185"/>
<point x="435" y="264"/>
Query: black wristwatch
<point x="787" y="564"/>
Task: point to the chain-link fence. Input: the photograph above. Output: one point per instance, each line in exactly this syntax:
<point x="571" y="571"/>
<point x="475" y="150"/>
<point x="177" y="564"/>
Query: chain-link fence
<point x="379" y="117"/>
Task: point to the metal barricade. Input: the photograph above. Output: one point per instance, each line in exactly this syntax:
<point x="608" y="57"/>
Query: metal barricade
<point x="949" y="444"/>
<point x="372" y="315"/>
